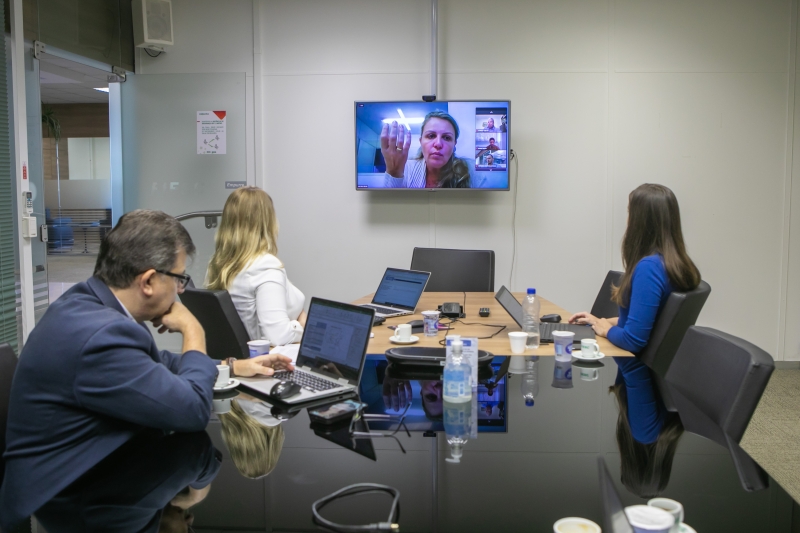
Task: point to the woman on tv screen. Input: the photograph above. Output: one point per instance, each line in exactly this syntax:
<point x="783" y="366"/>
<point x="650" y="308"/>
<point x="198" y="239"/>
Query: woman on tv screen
<point x="435" y="165"/>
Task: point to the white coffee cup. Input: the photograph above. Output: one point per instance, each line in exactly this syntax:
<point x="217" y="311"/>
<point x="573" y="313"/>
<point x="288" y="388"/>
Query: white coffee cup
<point x="575" y="525"/>
<point x="590" y="348"/>
<point x="259" y="347"/>
<point x="402" y="333"/>
<point x="647" y="519"/>
<point x="518" y="340"/>
<point x="672" y="507"/>
<point x="589" y="374"/>
<point x="223" y="376"/>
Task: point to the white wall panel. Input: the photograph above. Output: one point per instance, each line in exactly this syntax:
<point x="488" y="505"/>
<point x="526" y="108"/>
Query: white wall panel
<point x="210" y="37"/>
<point x="346" y="36"/>
<point x="718" y="141"/>
<point x="707" y="36"/>
<point x="506" y="36"/>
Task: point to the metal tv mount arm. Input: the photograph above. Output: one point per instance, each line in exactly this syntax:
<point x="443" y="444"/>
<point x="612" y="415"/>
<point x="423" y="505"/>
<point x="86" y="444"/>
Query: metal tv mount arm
<point x="210" y="216"/>
<point x="434" y="52"/>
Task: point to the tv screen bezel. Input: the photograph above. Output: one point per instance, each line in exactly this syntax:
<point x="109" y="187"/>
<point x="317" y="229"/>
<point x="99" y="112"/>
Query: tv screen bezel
<point x="507" y="103"/>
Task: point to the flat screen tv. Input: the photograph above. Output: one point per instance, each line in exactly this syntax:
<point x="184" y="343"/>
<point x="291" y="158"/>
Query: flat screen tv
<point x="464" y="145"/>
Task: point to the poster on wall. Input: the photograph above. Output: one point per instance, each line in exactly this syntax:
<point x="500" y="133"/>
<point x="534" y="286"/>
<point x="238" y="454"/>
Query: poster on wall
<point x="211" y="132"/>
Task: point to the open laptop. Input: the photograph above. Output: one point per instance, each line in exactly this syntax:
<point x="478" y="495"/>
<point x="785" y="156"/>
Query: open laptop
<point x="331" y="354"/>
<point x="514" y="308"/>
<point x="614" y="519"/>
<point x="398" y="292"/>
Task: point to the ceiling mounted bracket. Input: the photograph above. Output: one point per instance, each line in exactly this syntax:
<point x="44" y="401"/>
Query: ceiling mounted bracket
<point x="118" y="75"/>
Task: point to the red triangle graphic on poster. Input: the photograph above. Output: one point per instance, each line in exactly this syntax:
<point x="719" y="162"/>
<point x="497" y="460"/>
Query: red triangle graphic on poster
<point x="220" y="114"/>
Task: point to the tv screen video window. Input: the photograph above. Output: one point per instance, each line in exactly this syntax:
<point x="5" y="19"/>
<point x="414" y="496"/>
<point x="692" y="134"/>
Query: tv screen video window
<point x="458" y="145"/>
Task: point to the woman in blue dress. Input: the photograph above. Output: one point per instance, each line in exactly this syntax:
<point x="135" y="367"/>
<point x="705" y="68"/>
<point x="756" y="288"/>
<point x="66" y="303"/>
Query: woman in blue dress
<point x="656" y="264"/>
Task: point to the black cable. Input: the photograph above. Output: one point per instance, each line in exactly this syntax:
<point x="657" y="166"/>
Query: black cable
<point x="487" y="325"/>
<point x="514" y="218"/>
<point x="360" y="488"/>
<point x="146" y="51"/>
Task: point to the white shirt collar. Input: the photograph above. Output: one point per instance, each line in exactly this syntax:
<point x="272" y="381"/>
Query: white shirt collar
<point x="125" y="309"/>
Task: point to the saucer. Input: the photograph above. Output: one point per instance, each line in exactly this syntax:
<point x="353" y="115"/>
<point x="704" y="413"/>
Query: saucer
<point x="412" y="340"/>
<point x="579" y="356"/>
<point x="231" y="384"/>
<point x="587" y="364"/>
<point x="685" y="528"/>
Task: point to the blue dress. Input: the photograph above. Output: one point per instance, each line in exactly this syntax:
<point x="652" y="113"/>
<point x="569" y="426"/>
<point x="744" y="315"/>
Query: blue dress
<point x="650" y="288"/>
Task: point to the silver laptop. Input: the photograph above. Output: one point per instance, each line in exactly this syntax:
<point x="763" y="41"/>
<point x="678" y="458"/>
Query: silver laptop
<point x="331" y="354"/>
<point x="514" y="309"/>
<point x="399" y="292"/>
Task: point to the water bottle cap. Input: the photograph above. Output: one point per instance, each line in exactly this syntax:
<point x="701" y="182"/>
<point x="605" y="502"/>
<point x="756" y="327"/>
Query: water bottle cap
<point x="529" y="402"/>
<point x="531" y="291"/>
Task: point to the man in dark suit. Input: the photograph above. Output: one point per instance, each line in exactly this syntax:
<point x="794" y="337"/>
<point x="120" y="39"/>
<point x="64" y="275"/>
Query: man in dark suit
<point x="90" y="377"/>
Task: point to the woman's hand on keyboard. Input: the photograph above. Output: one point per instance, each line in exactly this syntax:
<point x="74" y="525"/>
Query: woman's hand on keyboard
<point x="583" y="318"/>
<point x="264" y="365"/>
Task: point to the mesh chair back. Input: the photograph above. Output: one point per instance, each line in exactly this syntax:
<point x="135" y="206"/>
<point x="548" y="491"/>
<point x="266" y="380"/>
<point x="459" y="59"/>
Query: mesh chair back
<point x="226" y="336"/>
<point x="603" y="306"/>
<point x="456" y="270"/>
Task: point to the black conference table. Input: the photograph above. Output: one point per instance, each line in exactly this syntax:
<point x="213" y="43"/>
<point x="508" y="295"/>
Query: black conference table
<point x="528" y="466"/>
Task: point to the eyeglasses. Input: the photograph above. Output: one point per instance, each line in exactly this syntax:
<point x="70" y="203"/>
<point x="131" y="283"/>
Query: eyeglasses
<point x="183" y="279"/>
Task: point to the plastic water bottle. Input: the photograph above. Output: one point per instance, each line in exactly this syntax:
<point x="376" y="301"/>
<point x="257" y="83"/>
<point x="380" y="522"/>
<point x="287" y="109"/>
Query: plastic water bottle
<point x="457" y="424"/>
<point x="529" y="384"/>
<point x="530" y="318"/>
<point x="457" y="375"/>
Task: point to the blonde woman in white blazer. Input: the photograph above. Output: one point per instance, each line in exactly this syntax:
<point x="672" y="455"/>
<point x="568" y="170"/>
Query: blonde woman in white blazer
<point x="245" y="263"/>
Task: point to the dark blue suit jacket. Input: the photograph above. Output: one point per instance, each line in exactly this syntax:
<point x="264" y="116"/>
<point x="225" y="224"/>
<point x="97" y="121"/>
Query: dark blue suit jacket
<point x="88" y="379"/>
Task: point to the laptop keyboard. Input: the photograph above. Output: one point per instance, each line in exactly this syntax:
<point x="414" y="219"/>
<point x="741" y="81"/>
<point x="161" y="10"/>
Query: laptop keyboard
<point x="384" y="310"/>
<point x="306" y="380"/>
<point x="546" y="330"/>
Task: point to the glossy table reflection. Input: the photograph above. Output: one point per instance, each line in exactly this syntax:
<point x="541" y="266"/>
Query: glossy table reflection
<point x="528" y="466"/>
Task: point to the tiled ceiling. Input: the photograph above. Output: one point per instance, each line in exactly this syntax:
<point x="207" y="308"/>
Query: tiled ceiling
<point x="65" y="82"/>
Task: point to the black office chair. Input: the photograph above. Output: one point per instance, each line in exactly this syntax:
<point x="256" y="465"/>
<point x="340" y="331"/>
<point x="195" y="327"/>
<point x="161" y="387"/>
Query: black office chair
<point x="716" y="381"/>
<point x="456" y="270"/>
<point x="680" y="312"/>
<point x="226" y="336"/>
<point x="603" y="306"/>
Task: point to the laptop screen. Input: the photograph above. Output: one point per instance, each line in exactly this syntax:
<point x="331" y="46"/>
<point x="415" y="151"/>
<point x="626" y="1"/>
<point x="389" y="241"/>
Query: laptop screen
<point x="614" y="519"/>
<point x="510" y="304"/>
<point x="401" y="288"/>
<point x="335" y="339"/>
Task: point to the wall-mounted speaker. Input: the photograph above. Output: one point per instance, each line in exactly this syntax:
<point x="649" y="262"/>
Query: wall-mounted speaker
<point x="152" y="24"/>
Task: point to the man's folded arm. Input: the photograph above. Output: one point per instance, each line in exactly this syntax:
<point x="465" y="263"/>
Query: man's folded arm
<point x="119" y="378"/>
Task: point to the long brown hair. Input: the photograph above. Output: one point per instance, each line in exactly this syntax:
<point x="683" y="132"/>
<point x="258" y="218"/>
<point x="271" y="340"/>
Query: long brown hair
<point x="249" y="229"/>
<point x="654" y="227"/>
<point x="645" y="468"/>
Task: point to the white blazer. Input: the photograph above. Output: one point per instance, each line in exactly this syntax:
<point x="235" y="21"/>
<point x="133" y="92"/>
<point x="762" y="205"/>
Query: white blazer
<point x="267" y="302"/>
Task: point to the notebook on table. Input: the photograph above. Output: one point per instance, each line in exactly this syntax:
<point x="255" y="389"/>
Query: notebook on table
<point x="398" y="292"/>
<point x="331" y="355"/>
<point x="546" y="329"/>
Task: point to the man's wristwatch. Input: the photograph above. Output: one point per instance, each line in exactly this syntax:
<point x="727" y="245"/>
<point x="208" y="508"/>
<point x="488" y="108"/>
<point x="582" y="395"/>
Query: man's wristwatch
<point x="230" y="364"/>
